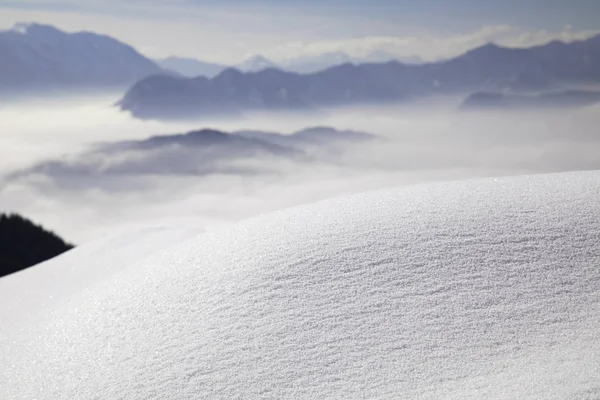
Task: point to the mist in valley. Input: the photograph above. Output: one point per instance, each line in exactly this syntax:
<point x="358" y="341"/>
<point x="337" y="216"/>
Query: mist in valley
<point x="411" y="145"/>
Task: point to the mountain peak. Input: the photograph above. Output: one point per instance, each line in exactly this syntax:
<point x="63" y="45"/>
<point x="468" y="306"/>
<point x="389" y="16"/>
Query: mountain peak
<point x="21" y="27"/>
<point x="44" y="59"/>
<point x="488" y="47"/>
<point x="191" y="67"/>
<point x="256" y="63"/>
<point x="230" y="72"/>
<point x="490" y="67"/>
<point x="33" y="28"/>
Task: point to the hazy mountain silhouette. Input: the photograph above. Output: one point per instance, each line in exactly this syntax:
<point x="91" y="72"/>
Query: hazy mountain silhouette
<point x="487" y="68"/>
<point x="320" y="62"/>
<point x="255" y="64"/>
<point x="191" y="67"/>
<point x="37" y="58"/>
<point x="503" y="101"/>
<point x="315" y="136"/>
<point x="200" y="152"/>
<point x="24" y="244"/>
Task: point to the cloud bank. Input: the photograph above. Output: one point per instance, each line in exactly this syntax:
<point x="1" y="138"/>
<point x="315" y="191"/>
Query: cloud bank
<point x="423" y="143"/>
<point x="431" y="47"/>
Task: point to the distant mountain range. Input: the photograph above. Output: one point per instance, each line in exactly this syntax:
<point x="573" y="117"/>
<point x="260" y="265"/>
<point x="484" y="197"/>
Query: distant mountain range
<point x="192" y="68"/>
<point x="504" y="101"/>
<point x="41" y="59"/>
<point x="256" y="64"/>
<point x="201" y="152"/>
<point x="38" y="58"/>
<point x="489" y="68"/>
<point x="320" y="62"/>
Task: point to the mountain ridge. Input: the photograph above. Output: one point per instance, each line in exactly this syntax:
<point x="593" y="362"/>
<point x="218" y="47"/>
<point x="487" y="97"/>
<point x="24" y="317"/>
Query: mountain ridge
<point x="199" y="152"/>
<point x="37" y="58"/>
<point x="486" y="68"/>
<point x="191" y="67"/>
<point x="556" y="99"/>
<point x="307" y="64"/>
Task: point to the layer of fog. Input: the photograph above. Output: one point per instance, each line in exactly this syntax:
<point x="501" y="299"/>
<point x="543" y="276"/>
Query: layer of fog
<point x="425" y="144"/>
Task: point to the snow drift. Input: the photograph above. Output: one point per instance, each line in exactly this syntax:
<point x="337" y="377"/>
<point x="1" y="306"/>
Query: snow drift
<point x="474" y="289"/>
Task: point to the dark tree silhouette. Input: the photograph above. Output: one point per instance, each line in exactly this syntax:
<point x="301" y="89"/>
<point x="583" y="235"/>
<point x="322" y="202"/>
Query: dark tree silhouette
<point x="23" y="244"/>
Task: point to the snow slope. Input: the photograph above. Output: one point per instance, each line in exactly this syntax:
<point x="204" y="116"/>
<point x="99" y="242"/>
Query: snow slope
<point x="53" y="282"/>
<point x="475" y="289"/>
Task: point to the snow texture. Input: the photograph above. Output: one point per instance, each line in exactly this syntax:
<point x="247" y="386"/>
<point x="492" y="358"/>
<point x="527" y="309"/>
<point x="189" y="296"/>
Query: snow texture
<point x="474" y="289"/>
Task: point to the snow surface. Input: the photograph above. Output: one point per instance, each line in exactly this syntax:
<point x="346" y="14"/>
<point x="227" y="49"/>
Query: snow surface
<point x="474" y="289"/>
<point x="49" y="283"/>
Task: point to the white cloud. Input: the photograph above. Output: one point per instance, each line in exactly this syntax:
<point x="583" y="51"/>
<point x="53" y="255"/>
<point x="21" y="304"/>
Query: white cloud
<point x="426" y="146"/>
<point x="432" y="46"/>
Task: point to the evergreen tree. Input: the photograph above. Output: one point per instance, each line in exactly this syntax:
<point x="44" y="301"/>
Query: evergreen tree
<point x="24" y="244"/>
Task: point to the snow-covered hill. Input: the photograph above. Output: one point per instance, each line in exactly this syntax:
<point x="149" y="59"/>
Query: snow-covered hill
<point x="474" y="289"/>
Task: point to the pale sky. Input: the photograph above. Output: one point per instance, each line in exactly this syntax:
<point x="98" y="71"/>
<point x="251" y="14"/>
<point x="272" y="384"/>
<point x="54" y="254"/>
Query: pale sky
<point x="229" y="31"/>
